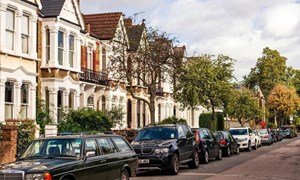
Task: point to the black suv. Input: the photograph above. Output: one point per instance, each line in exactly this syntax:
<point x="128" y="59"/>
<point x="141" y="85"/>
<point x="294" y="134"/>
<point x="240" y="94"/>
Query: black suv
<point x="73" y="157"/>
<point x="166" y="147"/>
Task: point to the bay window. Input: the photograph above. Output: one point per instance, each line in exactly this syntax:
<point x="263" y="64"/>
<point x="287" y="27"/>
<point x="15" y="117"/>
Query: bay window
<point x="10" y="29"/>
<point x="60" y="47"/>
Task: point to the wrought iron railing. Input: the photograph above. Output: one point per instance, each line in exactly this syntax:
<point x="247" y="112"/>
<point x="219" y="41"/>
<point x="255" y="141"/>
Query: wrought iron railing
<point x="95" y="77"/>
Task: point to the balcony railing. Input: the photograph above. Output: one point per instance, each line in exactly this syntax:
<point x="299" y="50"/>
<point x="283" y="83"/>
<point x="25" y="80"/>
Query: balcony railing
<point x="94" y="77"/>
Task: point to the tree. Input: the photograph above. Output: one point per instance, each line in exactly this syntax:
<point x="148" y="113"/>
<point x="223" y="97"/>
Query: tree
<point x="173" y="120"/>
<point x="205" y="81"/>
<point x="284" y="101"/>
<point x="243" y="106"/>
<point x="146" y="64"/>
<point x="116" y="114"/>
<point x="270" y="69"/>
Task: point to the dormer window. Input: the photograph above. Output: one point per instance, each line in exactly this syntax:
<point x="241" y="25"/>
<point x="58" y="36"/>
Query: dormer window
<point x="10" y="29"/>
<point x="60" y="47"/>
<point x="25" y="33"/>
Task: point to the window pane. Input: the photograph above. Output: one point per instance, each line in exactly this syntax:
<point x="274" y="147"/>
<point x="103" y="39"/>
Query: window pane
<point x="71" y="58"/>
<point x="10" y="19"/>
<point x="25" y="24"/>
<point x="9" y="40"/>
<point x="60" y="39"/>
<point x="9" y="92"/>
<point x="71" y="100"/>
<point x="24" y="44"/>
<point x="71" y="42"/>
<point x="24" y="94"/>
<point x="121" y="144"/>
<point x="23" y="112"/>
<point x="8" y="111"/>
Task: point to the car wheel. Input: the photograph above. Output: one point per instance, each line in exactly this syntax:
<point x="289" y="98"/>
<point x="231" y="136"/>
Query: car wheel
<point x="249" y="146"/>
<point x="205" y="157"/>
<point x="255" y="145"/>
<point x="237" y="151"/>
<point x="195" y="161"/>
<point x="174" y="166"/>
<point x="228" y="151"/>
<point x="124" y="175"/>
<point x="220" y="155"/>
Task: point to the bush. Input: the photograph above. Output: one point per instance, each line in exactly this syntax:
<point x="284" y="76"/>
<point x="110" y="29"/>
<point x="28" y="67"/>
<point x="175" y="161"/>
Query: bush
<point x="205" y="121"/>
<point x="173" y="120"/>
<point x="85" y="120"/>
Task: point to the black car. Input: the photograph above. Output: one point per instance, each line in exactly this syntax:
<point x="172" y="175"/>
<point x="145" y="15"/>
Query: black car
<point x="74" y="157"/>
<point x="277" y="135"/>
<point x="208" y="145"/>
<point x="166" y="147"/>
<point x="227" y="142"/>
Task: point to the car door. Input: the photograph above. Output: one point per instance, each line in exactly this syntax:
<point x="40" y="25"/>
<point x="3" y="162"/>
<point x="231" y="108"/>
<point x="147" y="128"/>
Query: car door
<point x="251" y="136"/>
<point x="94" y="164"/>
<point x="210" y="143"/>
<point x="182" y="143"/>
<point x="233" y="142"/>
<point x="190" y="140"/>
<point x="111" y="157"/>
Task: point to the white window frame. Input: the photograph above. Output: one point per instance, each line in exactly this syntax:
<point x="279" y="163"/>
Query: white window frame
<point x="47" y="45"/>
<point x="25" y="35"/>
<point x="10" y="31"/>
<point x="24" y="105"/>
<point x="60" y="49"/>
<point x="90" y="57"/>
<point x="71" y="50"/>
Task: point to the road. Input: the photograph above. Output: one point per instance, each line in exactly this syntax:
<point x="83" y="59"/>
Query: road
<point x="280" y="161"/>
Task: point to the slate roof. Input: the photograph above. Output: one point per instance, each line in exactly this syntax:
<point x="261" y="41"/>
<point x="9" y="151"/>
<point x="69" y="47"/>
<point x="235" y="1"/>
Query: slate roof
<point x="134" y="34"/>
<point x="51" y="8"/>
<point x="103" y="25"/>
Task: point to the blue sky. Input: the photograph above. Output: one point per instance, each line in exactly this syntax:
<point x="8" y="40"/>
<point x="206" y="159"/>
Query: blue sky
<point x="237" y="28"/>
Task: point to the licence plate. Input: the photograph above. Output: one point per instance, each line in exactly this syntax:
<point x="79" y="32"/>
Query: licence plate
<point x="143" y="161"/>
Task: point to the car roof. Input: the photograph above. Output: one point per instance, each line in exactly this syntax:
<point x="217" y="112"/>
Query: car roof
<point x="240" y="128"/>
<point x="79" y="136"/>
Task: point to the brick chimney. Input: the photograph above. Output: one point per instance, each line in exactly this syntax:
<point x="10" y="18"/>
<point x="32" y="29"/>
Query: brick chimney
<point x="128" y="22"/>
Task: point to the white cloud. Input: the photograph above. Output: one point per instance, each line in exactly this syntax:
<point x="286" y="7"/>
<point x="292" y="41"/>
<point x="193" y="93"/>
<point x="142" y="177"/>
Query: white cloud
<point x="239" y="29"/>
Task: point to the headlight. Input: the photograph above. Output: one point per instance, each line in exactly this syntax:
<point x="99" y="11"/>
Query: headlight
<point x="243" y="139"/>
<point x="39" y="176"/>
<point x="161" y="151"/>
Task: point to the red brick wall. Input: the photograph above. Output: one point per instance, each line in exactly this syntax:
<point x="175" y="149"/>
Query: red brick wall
<point x="8" y="145"/>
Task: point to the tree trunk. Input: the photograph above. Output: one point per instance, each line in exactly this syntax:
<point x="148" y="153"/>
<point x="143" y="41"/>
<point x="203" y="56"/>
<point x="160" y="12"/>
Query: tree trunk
<point x="212" y="118"/>
<point x="152" y="110"/>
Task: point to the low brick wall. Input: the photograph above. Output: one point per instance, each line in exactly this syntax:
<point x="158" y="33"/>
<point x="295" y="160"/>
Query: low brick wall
<point x="8" y="145"/>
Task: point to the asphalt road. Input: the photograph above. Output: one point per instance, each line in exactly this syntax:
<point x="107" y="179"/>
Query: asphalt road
<point x="280" y="161"/>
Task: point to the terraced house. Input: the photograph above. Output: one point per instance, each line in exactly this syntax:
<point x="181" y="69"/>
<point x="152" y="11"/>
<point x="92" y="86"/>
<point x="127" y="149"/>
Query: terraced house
<point x="70" y="57"/>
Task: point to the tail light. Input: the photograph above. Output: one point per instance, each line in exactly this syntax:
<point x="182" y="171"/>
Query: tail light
<point x="266" y="136"/>
<point x="197" y="137"/>
<point x="47" y="176"/>
<point x="222" y="141"/>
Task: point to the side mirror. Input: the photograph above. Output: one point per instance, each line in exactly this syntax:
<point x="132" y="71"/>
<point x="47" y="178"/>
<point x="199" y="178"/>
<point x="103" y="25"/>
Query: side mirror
<point x="183" y="138"/>
<point x="250" y="134"/>
<point x="90" y="154"/>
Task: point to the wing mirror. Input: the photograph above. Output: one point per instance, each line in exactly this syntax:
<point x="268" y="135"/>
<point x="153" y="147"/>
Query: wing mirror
<point x="183" y="138"/>
<point x="90" y="154"/>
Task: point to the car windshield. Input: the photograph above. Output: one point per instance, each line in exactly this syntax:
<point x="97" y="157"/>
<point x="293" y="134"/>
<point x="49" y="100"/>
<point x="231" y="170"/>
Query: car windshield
<point x="263" y="131"/>
<point x="50" y="148"/>
<point x="156" y="133"/>
<point x="238" y="131"/>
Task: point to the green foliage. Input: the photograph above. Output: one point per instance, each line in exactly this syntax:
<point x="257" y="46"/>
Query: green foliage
<point x="205" y="81"/>
<point x="271" y="125"/>
<point x="205" y="121"/>
<point x="116" y="114"/>
<point x="42" y="115"/>
<point x="173" y="120"/>
<point x="270" y="69"/>
<point x="85" y="120"/>
<point x="243" y="106"/>
<point x="26" y="130"/>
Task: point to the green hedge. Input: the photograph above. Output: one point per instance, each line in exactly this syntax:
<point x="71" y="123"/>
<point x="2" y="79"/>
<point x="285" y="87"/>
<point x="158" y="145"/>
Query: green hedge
<point x="205" y="121"/>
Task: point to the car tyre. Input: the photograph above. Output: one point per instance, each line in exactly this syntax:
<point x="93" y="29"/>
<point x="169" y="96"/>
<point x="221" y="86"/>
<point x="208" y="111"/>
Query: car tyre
<point x="249" y="146"/>
<point x="195" y="160"/>
<point x="124" y="175"/>
<point x="205" y="157"/>
<point x="228" y="151"/>
<point x="237" y="151"/>
<point x="220" y="155"/>
<point x="174" y="166"/>
<point x="255" y="145"/>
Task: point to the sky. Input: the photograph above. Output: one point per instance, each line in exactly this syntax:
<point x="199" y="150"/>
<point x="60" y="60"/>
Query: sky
<point x="239" y="29"/>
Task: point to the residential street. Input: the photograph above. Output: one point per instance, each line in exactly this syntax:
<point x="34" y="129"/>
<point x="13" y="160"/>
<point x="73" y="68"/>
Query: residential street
<point x="278" y="161"/>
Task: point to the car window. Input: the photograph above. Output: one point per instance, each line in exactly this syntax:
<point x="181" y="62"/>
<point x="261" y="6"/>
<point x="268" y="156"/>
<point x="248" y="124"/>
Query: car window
<point x="156" y="133"/>
<point x="238" y="131"/>
<point x="201" y="134"/>
<point x="121" y="144"/>
<point x="189" y="132"/>
<point x="91" y="146"/>
<point x="181" y="132"/>
<point x="106" y="146"/>
<point x="206" y="134"/>
<point x="250" y="131"/>
<point x="218" y="135"/>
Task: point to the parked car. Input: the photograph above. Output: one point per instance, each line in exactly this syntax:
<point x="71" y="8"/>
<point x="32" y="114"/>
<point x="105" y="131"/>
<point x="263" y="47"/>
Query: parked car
<point x="266" y="137"/>
<point x="277" y="135"/>
<point x="166" y="146"/>
<point x="288" y="133"/>
<point x="227" y="142"/>
<point x="245" y="137"/>
<point x="257" y="137"/>
<point x="208" y="145"/>
<point x="293" y="130"/>
<point x="74" y="157"/>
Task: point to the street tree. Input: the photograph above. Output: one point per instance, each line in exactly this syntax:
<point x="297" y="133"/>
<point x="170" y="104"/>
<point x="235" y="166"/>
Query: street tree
<point x="243" y="106"/>
<point x="284" y="101"/>
<point x="270" y="69"/>
<point x="205" y="81"/>
<point x="143" y="60"/>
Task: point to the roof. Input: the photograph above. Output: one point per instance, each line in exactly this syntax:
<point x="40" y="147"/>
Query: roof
<point x="51" y="8"/>
<point x="103" y="25"/>
<point x="134" y="34"/>
<point x="75" y="136"/>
